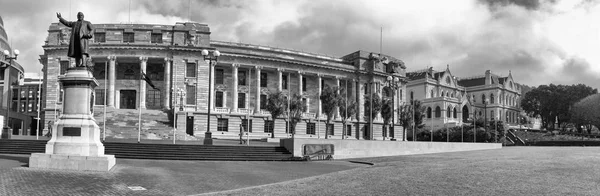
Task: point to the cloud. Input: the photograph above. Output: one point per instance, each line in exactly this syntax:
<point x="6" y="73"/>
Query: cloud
<point x="538" y="41"/>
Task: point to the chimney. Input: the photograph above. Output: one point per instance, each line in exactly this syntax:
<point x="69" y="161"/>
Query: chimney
<point x="488" y="77"/>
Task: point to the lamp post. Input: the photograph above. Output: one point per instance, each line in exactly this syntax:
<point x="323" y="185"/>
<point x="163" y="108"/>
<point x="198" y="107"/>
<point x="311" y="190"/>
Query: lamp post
<point x="393" y="84"/>
<point x="6" y="129"/>
<point x="214" y="57"/>
<point x="485" y="102"/>
<point x="181" y="93"/>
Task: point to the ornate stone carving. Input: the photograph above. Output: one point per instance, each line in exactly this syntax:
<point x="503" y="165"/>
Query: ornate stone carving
<point x="190" y="82"/>
<point x="243" y="89"/>
<point x="264" y="91"/>
<point x="221" y="87"/>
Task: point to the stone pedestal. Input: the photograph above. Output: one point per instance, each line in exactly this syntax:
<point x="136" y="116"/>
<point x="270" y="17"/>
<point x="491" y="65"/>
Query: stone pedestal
<point x="75" y="143"/>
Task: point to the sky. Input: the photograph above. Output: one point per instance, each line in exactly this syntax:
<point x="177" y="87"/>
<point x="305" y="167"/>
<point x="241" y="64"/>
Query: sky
<point x="538" y="41"/>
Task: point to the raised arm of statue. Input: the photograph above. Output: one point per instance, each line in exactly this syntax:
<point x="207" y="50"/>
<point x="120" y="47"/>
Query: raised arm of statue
<point x="63" y="21"/>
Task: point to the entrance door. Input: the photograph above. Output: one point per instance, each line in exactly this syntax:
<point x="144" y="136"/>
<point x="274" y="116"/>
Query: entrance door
<point x="189" y="125"/>
<point x="127" y="99"/>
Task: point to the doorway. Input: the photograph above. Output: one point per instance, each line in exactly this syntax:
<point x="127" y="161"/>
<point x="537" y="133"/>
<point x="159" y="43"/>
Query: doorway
<point x="127" y="99"/>
<point x="189" y="125"/>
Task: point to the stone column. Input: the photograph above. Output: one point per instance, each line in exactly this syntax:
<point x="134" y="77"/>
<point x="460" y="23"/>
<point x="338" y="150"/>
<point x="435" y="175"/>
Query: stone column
<point x="319" y="95"/>
<point x="167" y="88"/>
<point x="212" y="86"/>
<point x="234" y="107"/>
<point x="300" y="83"/>
<point x="143" y="61"/>
<point x="111" y="81"/>
<point x="257" y="105"/>
<point x="279" y="79"/>
<point x="337" y="109"/>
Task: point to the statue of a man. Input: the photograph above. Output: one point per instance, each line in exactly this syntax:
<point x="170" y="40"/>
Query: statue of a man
<point x="81" y="32"/>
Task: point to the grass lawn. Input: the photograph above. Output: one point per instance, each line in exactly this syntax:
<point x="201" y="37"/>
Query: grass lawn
<point x="507" y="171"/>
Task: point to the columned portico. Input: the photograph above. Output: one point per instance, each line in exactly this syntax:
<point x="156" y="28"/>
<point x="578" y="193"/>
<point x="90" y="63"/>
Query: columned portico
<point x="337" y="109"/>
<point x="111" y="81"/>
<point x="279" y="79"/>
<point x="142" y="93"/>
<point x="319" y="112"/>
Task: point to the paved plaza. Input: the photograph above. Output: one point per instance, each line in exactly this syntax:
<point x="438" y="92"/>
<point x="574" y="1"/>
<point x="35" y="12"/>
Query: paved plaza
<point x="507" y="171"/>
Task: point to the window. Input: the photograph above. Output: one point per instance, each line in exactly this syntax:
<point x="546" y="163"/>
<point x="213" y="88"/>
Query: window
<point x="269" y="124"/>
<point x="219" y="76"/>
<point x="129" y="74"/>
<point x="322" y="84"/>
<point x="492" y="98"/>
<point x="128" y="37"/>
<point x="310" y="128"/>
<point x="247" y="125"/>
<point x="99" y="97"/>
<point x="190" y="70"/>
<point x="64" y="65"/>
<point x="263" y="102"/>
<point x="284" y="82"/>
<point x="99" y="37"/>
<point x="156" y="38"/>
<point x="241" y="100"/>
<point x="222" y="124"/>
<point x="219" y="99"/>
<point x="454" y="113"/>
<point x="483" y="98"/>
<point x="153" y="98"/>
<point x="448" y="112"/>
<point x="431" y="93"/>
<point x="242" y="78"/>
<point x="428" y="112"/>
<point x="304" y="103"/>
<point x="348" y="130"/>
<point x="447" y="80"/>
<point x="384" y="131"/>
<point x="366" y="89"/>
<point x="303" y="84"/>
<point x="329" y="129"/>
<point x="190" y="92"/>
<point x="2" y="74"/>
<point x="263" y="79"/>
<point x="412" y="97"/>
<point x="438" y="112"/>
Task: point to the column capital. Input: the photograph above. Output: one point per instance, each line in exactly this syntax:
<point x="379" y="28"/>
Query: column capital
<point x="235" y="65"/>
<point x="143" y="58"/>
<point x="167" y="59"/>
<point x="112" y="58"/>
<point x="258" y="67"/>
<point x="280" y="70"/>
<point x="320" y="75"/>
<point x="301" y="72"/>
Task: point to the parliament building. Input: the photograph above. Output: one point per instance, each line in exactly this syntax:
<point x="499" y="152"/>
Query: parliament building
<point x="170" y="56"/>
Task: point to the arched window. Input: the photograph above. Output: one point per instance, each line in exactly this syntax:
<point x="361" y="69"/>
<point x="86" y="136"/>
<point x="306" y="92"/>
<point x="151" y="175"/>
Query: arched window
<point x="492" y="98"/>
<point x="482" y="98"/>
<point x="447" y="80"/>
<point x="454" y="114"/>
<point x="438" y="112"/>
<point x="492" y="113"/>
<point x="448" y="112"/>
<point x="412" y="96"/>
<point x="428" y="112"/>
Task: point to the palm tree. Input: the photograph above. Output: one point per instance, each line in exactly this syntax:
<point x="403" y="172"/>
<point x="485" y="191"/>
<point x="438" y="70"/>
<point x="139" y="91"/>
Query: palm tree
<point x="276" y="105"/>
<point x="330" y="99"/>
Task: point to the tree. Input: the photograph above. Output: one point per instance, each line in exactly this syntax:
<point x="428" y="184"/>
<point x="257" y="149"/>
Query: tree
<point x="387" y="112"/>
<point x="297" y="107"/>
<point x="406" y="116"/>
<point x="276" y="105"/>
<point x="330" y="98"/>
<point x="553" y="101"/>
<point x="587" y="112"/>
<point x="347" y="110"/>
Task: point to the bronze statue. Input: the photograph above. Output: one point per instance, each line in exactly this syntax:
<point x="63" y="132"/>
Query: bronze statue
<point x="81" y="32"/>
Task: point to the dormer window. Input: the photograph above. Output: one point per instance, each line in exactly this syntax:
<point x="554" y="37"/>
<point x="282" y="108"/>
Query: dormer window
<point x="447" y="80"/>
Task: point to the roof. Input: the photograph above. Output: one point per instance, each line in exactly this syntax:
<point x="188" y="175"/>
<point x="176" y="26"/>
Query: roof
<point x="472" y="82"/>
<point x="419" y="74"/>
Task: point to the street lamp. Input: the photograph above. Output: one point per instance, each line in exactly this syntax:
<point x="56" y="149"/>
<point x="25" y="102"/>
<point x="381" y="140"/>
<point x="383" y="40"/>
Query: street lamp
<point x="214" y="57"/>
<point x="393" y="84"/>
<point x="6" y="129"/>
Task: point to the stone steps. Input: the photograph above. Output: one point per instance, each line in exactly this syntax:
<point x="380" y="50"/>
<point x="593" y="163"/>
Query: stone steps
<point x="165" y="151"/>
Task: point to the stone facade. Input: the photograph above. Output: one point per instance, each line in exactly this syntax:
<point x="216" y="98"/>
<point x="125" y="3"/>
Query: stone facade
<point x="170" y="56"/>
